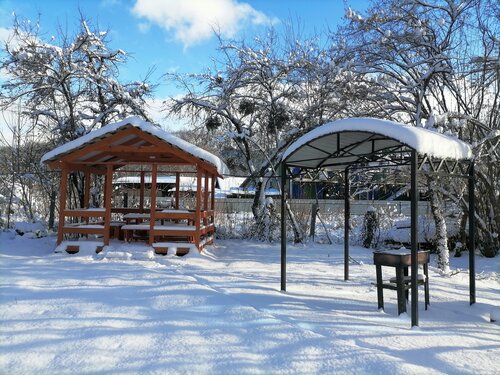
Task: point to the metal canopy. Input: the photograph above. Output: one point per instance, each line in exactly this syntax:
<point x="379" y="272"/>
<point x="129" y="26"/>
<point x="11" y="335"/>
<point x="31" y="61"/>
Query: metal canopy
<point x="339" y="144"/>
<point x="373" y="143"/>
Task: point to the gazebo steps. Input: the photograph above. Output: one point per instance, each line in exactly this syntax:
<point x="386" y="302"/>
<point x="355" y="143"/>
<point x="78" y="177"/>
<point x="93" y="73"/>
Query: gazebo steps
<point x="84" y="228"/>
<point x="180" y="248"/>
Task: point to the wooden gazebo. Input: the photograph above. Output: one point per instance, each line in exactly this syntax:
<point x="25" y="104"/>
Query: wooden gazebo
<point x="136" y="146"/>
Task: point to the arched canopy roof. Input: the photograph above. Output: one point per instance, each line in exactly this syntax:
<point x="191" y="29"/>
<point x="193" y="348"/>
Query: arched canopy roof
<point x="338" y="144"/>
<point x="132" y="140"/>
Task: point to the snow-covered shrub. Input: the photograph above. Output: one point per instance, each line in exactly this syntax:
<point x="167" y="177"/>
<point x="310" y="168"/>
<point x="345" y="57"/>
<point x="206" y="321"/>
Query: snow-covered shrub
<point x="234" y="225"/>
<point x="30" y="230"/>
<point x="270" y="221"/>
<point x="370" y="228"/>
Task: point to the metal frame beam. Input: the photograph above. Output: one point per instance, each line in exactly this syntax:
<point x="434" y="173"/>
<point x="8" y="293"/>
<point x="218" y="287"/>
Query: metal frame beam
<point x="283" y="226"/>
<point x="472" y="235"/>
<point x="347" y="214"/>
<point x="414" y="238"/>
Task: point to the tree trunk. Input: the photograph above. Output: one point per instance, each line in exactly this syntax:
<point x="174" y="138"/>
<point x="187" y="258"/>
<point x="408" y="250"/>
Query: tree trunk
<point x="11" y="196"/>
<point x="258" y="212"/>
<point x="52" y="208"/>
<point x="298" y="236"/>
<point x="441" y="237"/>
<point x="258" y="199"/>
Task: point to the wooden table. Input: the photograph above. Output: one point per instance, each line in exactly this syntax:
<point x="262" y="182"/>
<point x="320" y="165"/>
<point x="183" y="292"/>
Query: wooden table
<point x="172" y="223"/>
<point x="135" y="218"/>
<point x="400" y="261"/>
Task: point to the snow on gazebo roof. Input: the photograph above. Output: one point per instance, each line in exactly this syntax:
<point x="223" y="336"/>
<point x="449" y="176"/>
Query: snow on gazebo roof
<point x="364" y="135"/>
<point x="147" y="128"/>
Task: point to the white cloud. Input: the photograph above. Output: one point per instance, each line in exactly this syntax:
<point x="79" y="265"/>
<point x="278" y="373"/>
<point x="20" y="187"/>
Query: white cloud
<point x="144" y="27"/>
<point x="155" y="108"/>
<point x="5" y="36"/>
<point x="193" y="21"/>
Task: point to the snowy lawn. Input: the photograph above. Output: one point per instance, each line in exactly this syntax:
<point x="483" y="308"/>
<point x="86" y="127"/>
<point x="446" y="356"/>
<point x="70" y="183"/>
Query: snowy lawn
<point x="127" y="311"/>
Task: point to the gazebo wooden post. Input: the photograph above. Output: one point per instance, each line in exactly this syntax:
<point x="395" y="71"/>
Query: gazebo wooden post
<point x="86" y="194"/>
<point x="205" y="192"/>
<point x="205" y="199"/>
<point x="212" y="199"/>
<point x="177" y="189"/>
<point x="347" y="214"/>
<point x="62" y="203"/>
<point x="414" y="237"/>
<point x="105" y="188"/>
<point x="198" y="207"/>
<point x="141" y="194"/>
<point x="154" y="171"/>
<point x="108" y="192"/>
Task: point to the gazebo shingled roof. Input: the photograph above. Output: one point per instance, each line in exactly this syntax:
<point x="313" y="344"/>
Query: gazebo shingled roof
<point x="138" y="147"/>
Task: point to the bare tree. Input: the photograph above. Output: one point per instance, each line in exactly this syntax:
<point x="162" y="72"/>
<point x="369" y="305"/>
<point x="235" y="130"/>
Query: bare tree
<point x="260" y="96"/>
<point x="413" y="53"/>
<point x="469" y="109"/>
<point x="68" y="85"/>
<point x="21" y="171"/>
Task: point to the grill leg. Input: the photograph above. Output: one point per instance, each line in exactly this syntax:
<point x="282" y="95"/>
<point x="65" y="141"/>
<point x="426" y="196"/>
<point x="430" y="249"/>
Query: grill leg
<point x="380" y="291"/>
<point x="401" y="290"/>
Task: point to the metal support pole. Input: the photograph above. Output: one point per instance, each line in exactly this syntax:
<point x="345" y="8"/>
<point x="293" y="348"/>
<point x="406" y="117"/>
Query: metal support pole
<point x="414" y="238"/>
<point x="472" y="235"/>
<point x="347" y="214"/>
<point x="283" y="226"/>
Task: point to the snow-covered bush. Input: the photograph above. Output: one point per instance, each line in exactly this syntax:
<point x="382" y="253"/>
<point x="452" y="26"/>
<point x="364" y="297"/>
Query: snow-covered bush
<point x="370" y="232"/>
<point x="30" y="230"/>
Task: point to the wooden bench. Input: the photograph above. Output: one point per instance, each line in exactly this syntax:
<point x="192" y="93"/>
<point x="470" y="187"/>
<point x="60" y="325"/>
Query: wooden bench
<point x="80" y="228"/>
<point x="173" y="230"/>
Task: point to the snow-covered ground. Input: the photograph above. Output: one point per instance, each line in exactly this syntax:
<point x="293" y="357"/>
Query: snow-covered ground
<point x="221" y="312"/>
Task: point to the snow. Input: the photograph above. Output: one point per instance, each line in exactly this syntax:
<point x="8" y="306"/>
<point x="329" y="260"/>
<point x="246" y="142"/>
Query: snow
<point x="147" y="180"/>
<point x="423" y="140"/>
<point x="90" y="209"/>
<point x="186" y="183"/>
<point x="126" y="310"/>
<point x="146" y="127"/>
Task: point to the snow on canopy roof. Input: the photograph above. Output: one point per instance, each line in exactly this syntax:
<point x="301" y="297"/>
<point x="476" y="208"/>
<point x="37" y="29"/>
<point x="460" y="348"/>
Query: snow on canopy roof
<point x="147" y="128"/>
<point x="319" y="144"/>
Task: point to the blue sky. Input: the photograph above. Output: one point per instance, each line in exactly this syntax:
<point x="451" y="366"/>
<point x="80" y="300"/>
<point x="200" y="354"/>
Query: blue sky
<point x="173" y="35"/>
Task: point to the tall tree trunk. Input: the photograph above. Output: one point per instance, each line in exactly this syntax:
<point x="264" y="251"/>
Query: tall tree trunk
<point x="52" y="208"/>
<point x="441" y="237"/>
<point x="258" y="212"/>
<point x="11" y="197"/>
<point x="298" y="236"/>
